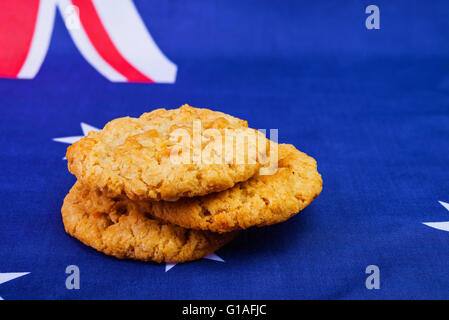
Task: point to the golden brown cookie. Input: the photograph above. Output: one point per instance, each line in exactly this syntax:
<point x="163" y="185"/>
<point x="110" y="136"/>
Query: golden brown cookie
<point x="260" y="201"/>
<point x="122" y="229"/>
<point x="134" y="156"/>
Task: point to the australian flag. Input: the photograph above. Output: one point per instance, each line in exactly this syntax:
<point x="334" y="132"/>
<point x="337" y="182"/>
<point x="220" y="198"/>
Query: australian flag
<point x="363" y="87"/>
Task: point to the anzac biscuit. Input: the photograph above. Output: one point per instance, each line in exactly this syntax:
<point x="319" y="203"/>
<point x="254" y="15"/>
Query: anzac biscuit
<point x="133" y="156"/>
<point x="260" y="201"/>
<point x="125" y="230"/>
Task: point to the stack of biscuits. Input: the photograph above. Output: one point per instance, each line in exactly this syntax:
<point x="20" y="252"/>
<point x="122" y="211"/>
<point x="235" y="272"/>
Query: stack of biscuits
<point x="168" y="186"/>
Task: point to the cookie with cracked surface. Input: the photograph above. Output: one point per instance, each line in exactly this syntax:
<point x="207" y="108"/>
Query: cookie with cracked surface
<point x="133" y="156"/>
<point x="260" y="201"/>
<point x="125" y="230"/>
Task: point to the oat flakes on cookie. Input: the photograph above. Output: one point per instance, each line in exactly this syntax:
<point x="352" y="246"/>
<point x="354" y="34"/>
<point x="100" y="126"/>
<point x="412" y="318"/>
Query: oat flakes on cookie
<point x="132" y="156"/>
<point x="260" y="201"/>
<point x="124" y="230"/>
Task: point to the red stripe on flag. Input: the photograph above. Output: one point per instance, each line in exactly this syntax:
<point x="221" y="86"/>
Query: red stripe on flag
<point x="103" y="44"/>
<point x="17" y="23"/>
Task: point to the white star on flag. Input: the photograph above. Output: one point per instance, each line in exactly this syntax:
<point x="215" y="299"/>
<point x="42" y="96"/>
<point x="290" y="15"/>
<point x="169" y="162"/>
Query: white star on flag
<point x="440" y="225"/>
<point x="86" y="128"/>
<point x="212" y="256"/>
<point x="5" y="277"/>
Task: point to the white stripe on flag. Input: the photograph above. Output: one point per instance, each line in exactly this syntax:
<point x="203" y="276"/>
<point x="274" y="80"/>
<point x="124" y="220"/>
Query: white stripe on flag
<point x="86" y="48"/>
<point x="127" y="31"/>
<point x="41" y="40"/>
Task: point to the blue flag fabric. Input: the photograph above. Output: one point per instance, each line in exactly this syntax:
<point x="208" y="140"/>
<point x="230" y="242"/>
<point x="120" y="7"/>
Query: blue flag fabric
<point x="370" y="105"/>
